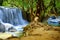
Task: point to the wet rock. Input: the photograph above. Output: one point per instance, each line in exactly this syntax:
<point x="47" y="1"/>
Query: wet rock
<point x="2" y="28"/>
<point x="12" y="29"/>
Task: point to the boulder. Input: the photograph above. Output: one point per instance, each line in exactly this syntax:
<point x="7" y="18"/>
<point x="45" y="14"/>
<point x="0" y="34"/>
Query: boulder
<point x="2" y="28"/>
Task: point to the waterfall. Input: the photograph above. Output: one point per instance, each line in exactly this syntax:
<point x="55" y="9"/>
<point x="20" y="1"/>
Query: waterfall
<point x="11" y="17"/>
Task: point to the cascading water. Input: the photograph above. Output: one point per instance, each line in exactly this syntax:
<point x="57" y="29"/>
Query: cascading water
<point x="12" y="17"/>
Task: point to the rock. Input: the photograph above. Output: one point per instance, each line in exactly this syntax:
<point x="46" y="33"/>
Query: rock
<point x="12" y="29"/>
<point x="2" y="28"/>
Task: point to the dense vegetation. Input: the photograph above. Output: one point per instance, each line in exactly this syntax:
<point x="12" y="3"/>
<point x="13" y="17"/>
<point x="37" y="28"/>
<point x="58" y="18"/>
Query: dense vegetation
<point x="33" y="8"/>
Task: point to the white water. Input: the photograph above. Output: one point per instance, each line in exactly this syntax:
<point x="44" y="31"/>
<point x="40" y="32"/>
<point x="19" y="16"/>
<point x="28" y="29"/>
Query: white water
<point x="12" y="17"/>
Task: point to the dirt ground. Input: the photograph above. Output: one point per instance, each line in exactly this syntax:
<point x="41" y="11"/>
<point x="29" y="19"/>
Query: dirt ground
<point x="39" y="31"/>
<point x="43" y="35"/>
<point x="38" y="34"/>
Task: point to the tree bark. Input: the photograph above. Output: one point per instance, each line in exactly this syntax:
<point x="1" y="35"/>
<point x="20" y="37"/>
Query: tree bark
<point x="40" y="8"/>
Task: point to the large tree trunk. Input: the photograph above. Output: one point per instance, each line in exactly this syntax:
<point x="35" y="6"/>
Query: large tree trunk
<point x="40" y="9"/>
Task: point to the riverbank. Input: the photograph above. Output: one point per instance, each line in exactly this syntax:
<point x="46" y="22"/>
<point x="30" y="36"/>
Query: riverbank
<point x="39" y="31"/>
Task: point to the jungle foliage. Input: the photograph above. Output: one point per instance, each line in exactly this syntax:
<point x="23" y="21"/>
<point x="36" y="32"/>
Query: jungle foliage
<point x="33" y="8"/>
